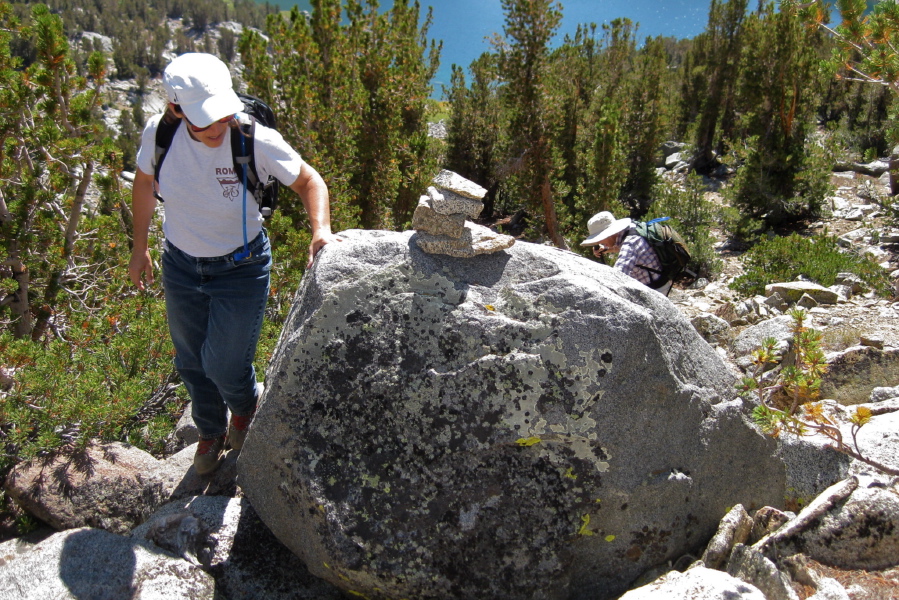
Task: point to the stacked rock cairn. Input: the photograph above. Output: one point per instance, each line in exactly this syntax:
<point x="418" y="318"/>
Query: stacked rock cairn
<point x="441" y="219"/>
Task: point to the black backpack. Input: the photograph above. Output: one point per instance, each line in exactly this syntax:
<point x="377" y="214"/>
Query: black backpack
<point x="266" y="193"/>
<point x="669" y="246"/>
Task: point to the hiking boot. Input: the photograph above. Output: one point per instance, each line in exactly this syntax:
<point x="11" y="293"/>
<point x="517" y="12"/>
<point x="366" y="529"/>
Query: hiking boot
<point x="206" y="459"/>
<point x="239" y="425"/>
<point x="237" y="430"/>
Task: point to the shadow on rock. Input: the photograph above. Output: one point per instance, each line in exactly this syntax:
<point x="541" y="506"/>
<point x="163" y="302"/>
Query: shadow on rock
<point x="93" y="569"/>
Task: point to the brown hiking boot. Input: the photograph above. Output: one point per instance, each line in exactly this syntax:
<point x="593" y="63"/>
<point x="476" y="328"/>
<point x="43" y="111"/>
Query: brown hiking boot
<point x="239" y="425"/>
<point x="206" y="459"/>
<point x="237" y="430"/>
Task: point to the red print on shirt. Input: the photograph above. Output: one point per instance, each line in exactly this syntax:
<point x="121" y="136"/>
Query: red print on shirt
<point x="230" y="187"/>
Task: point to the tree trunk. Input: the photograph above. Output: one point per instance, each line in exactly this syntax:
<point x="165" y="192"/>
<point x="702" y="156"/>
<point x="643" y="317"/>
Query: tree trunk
<point x="549" y="214"/>
<point x="55" y="285"/>
<point x="894" y="180"/>
<point x="20" y="306"/>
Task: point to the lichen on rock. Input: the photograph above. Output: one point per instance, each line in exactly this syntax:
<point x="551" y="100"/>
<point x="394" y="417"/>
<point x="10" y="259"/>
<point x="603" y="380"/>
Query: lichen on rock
<point x="522" y="424"/>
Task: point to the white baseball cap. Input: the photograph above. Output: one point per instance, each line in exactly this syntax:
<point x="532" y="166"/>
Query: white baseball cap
<point x="201" y="85"/>
<point x="602" y="225"/>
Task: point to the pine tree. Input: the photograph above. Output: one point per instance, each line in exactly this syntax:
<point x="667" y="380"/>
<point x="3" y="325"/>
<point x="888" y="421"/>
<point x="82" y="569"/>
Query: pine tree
<point x="473" y="133"/>
<point x="49" y="152"/>
<point x="605" y="149"/>
<point x="644" y="123"/>
<point x="575" y="73"/>
<point x="353" y="94"/>
<point x="523" y="59"/>
<point x="865" y="52"/>
<point x="782" y="177"/>
<point x="710" y="78"/>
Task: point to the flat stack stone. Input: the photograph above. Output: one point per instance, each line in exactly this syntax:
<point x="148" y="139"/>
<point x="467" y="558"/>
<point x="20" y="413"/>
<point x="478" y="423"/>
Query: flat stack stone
<point x="427" y="218"/>
<point x="475" y="240"/>
<point x="453" y="182"/>
<point x="441" y="219"/>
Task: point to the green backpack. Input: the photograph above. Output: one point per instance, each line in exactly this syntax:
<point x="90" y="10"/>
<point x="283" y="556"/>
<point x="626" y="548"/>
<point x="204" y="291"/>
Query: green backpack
<point x="669" y="246"/>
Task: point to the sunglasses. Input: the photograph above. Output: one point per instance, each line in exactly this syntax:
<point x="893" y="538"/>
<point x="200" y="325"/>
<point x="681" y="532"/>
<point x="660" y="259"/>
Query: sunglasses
<point x="196" y="129"/>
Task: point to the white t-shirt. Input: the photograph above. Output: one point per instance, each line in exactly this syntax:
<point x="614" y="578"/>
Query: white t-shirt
<point x="203" y="196"/>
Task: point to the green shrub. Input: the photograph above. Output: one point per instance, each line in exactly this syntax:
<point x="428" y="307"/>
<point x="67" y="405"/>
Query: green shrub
<point x="780" y="189"/>
<point x="693" y="217"/>
<point x="110" y="378"/>
<point x="817" y="258"/>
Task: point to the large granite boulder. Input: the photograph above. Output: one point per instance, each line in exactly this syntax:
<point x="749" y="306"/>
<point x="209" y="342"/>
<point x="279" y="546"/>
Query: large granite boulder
<point x="523" y="424"/>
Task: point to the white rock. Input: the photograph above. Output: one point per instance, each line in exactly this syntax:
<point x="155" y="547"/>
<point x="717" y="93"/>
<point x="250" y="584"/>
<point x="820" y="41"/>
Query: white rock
<point x="697" y="583"/>
<point x="91" y="563"/>
<point x="447" y="180"/>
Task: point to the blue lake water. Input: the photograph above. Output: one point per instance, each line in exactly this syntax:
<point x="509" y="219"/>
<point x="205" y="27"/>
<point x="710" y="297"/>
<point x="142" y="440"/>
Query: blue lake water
<point x="465" y="25"/>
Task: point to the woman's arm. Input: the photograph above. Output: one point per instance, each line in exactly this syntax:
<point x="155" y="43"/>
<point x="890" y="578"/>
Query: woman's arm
<point x="143" y="205"/>
<point x="313" y="191"/>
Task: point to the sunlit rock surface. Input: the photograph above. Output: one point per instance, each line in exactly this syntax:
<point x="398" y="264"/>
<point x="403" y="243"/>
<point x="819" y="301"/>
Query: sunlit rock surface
<point x="523" y="424"/>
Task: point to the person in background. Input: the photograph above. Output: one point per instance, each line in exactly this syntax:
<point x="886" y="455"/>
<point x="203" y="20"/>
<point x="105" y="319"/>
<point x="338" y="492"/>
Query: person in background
<point x="216" y="282"/>
<point x="636" y="258"/>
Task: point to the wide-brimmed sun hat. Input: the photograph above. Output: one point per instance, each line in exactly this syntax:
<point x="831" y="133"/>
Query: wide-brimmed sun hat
<point x="602" y="225"/>
<point x="201" y="85"/>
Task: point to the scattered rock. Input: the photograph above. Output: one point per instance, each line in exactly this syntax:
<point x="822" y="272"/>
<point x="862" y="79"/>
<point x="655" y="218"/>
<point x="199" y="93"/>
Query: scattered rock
<point x="751" y="566"/>
<point x="829" y="589"/>
<point x="185" y="430"/>
<point x="794" y="291"/>
<point x="712" y="328"/>
<point x="878" y="440"/>
<point x="698" y="583"/>
<point x="860" y="532"/>
<point x="873" y="341"/>
<point x="808" y="302"/>
<point x="879" y="394"/>
<point x="735" y="528"/>
<point x="180" y="480"/>
<point x="812" y="466"/>
<point x="109" y="486"/>
<point x="779" y="328"/>
<point x="853" y="373"/>
<point x="233" y="545"/>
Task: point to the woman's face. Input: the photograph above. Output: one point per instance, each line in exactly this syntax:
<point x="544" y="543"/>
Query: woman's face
<point x="610" y="244"/>
<point x="213" y="135"/>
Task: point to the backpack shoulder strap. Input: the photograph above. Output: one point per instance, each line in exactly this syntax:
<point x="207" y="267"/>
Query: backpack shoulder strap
<point x="165" y="133"/>
<point x="243" y="152"/>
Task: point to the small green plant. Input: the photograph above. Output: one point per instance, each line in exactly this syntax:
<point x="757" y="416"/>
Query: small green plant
<point x="840" y="338"/>
<point x="891" y="206"/>
<point x="817" y="258"/>
<point x="789" y="403"/>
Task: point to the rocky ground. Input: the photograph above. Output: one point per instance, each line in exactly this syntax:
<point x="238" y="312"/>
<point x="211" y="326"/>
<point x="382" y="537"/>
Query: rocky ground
<point x="857" y="218"/>
<point x="842" y="324"/>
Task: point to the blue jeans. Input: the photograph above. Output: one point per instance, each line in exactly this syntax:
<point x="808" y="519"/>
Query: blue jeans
<point x="215" y="308"/>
